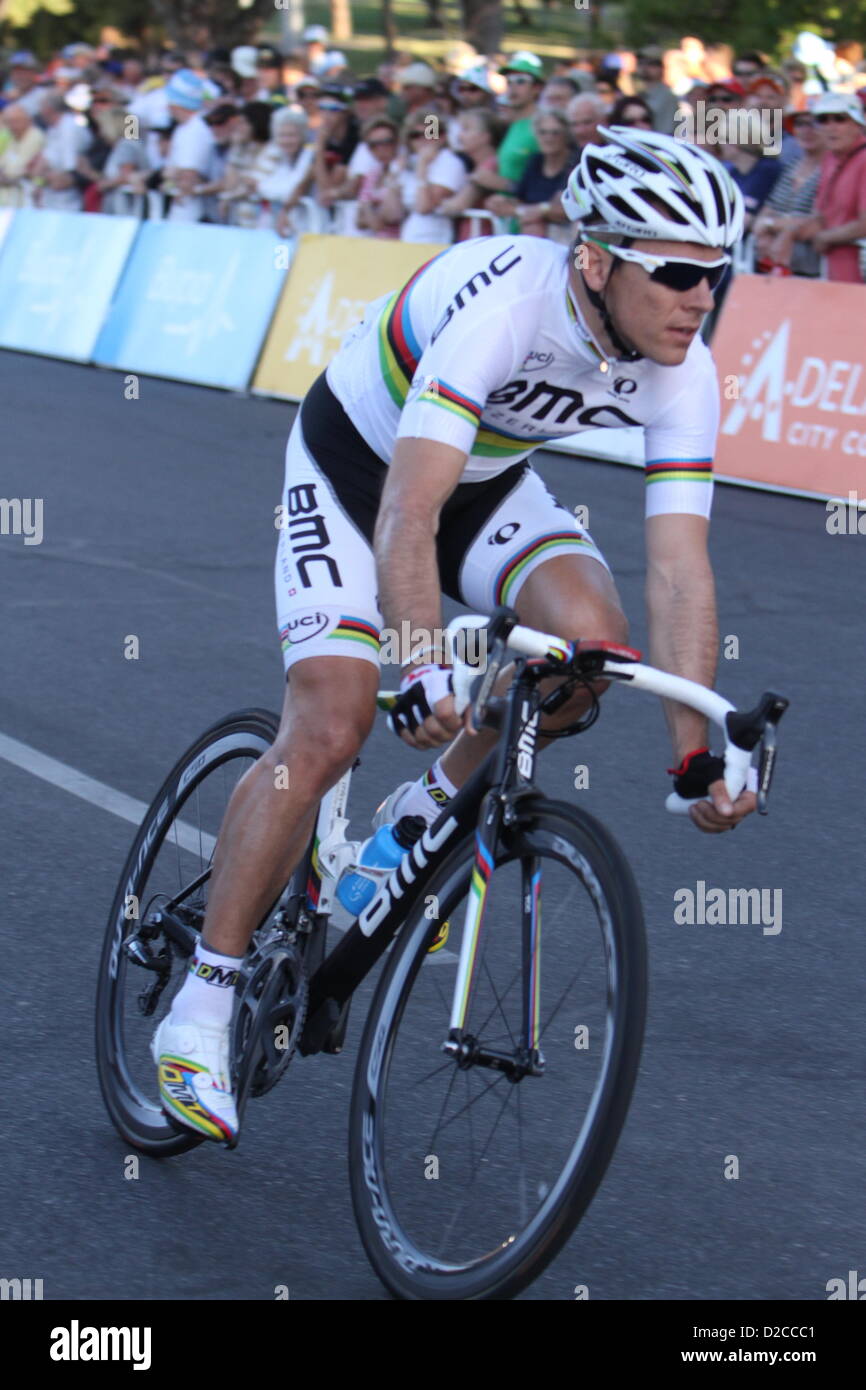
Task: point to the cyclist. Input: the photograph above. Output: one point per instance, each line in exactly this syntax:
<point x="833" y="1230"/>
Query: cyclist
<point x="406" y="476"/>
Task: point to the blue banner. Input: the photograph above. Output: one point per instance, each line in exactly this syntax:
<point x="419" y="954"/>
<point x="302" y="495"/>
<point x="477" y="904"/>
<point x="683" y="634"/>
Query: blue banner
<point x="58" y="271"/>
<point x="194" y="303"/>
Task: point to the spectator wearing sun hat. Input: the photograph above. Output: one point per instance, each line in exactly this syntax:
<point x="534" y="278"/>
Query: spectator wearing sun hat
<point x="416" y="83"/>
<point x="841" y="199"/>
<point x="189" y="161"/>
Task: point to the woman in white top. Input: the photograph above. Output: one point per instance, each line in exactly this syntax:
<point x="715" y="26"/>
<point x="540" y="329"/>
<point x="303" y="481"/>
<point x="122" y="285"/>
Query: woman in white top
<point x="429" y="173"/>
<point x="283" y="171"/>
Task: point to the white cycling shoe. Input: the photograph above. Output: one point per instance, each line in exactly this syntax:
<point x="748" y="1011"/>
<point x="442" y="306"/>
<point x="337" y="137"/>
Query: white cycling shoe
<point x="194" y="1073"/>
<point x="386" y="813"/>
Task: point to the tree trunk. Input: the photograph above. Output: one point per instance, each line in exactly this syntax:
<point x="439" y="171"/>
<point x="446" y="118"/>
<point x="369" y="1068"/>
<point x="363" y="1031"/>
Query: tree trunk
<point x="389" y="28"/>
<point x="483" y="24"/>
<point x="341" y="20"/>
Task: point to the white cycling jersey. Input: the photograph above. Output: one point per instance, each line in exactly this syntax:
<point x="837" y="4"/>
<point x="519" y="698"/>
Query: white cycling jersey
<point x="485" y="349"/>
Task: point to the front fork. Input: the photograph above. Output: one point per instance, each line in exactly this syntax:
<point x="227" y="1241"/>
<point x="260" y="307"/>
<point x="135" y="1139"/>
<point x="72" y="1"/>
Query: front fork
<point x="513" y="778"/>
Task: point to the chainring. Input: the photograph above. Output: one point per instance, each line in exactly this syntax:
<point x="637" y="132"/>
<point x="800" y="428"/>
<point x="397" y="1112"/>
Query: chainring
<point x="269" y="1018"/>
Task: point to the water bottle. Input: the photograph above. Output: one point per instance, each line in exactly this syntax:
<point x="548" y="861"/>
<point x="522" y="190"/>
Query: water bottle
<point x="384" y="850"/>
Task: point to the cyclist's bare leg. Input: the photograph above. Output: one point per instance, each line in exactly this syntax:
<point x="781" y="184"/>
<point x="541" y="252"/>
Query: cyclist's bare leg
<point x="571" y="596"/>
<point x="329" y="707"/>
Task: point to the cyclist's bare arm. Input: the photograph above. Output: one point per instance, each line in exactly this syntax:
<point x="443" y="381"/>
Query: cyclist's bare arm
<point x="422" y="476"/>
<point x="683" y="631"/>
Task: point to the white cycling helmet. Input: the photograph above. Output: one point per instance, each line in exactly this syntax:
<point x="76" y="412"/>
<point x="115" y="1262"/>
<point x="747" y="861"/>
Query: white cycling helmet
<point x="647" y="186"/>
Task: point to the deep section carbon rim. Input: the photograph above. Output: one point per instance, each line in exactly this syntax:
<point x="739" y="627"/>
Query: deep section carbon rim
<point x="166" y="873"/>
<point x="467" y="1178"/>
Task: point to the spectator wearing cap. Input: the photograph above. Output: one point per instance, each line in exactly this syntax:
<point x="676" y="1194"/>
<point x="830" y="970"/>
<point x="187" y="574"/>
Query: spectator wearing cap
<point x="471" y="91"/>
<point x="720" y="98"/>
<point x="840" y="220"/>
<point x="662" y="101"/>
<point x="245" y="66"/>
<point x="768" y="92"/>
<point x="283" y="172"/>
<point x="19" y="154"/>
<point x="543" y="179"/>
<point x="220" y="118"/>
<point x="190" y="152"/>
<point x="369" y="100"/>
<point x="790" y="204"/>
<point x="25" y="76"/>
<point x="57" y="164"/>
<point x="336" y="141"/>
<point x="270" y="70"/>
<point x="524" y="76"/>
<point x="428" y="172"/>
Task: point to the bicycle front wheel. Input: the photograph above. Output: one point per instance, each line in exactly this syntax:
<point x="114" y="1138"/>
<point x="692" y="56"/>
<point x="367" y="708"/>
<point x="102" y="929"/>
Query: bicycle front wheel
<point x="470" y="1173"/>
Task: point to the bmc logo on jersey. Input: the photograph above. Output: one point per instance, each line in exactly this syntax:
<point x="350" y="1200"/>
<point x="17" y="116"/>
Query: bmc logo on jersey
<point x="558" y="404"/>
<point x="305" y="625"/>
<point x="471" y="289"/>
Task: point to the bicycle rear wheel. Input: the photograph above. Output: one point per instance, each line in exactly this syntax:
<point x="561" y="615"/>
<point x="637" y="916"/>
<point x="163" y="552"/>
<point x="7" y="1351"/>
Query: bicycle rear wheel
<point x="467" y="1180"/>
<point x="157" y="914"/>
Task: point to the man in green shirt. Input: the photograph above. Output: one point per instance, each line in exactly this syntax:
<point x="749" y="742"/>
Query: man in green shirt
<point x="525" y="77"/>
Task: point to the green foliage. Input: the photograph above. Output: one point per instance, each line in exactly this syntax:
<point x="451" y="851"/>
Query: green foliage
<point x="768" y="27"/>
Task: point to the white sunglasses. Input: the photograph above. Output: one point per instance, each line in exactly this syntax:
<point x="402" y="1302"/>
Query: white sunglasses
<point x="676" y="272"/>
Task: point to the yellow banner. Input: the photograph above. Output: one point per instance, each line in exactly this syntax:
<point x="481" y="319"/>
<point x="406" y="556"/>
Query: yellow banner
<point x="329" y="284"/>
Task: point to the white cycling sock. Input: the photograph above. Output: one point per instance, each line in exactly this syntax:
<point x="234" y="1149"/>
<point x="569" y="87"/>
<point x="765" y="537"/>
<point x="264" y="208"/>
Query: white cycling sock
<point x="427" y="796"/>
<point x="207" y="994"/>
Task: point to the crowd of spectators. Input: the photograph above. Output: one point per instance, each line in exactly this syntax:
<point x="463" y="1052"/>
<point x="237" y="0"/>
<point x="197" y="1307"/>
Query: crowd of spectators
<point x="254" y="138"/>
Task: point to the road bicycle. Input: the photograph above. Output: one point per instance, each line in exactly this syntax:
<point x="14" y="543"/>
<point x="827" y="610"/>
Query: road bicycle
<point x="494" y="1073"/>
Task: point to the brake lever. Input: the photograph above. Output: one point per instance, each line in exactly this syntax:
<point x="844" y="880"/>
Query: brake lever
<point x="767" y="762"/>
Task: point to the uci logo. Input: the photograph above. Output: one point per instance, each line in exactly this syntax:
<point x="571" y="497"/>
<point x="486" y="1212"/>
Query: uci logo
<point x="306" y="625"/>
<point x="504" y="533"/>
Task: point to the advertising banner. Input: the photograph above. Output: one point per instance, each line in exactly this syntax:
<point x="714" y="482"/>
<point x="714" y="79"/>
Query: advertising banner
<point x="58" y="271"/>
<point x="331" y="281"/>
<point x="194" y="303"/>
<point x="6" y="215"/>
<point x="791" y="358"/>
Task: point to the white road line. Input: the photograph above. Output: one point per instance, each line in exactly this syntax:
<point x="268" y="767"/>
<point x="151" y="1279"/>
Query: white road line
<point x="69" y="779"/>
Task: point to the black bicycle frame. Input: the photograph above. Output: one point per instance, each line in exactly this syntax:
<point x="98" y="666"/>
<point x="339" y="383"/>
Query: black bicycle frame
<point x="510" y="768"/>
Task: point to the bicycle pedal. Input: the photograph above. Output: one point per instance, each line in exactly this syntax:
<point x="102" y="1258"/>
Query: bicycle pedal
<point x="440" y="938"/>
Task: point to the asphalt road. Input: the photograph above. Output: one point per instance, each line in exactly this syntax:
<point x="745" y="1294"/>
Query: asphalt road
<point x="158" y="522"/>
